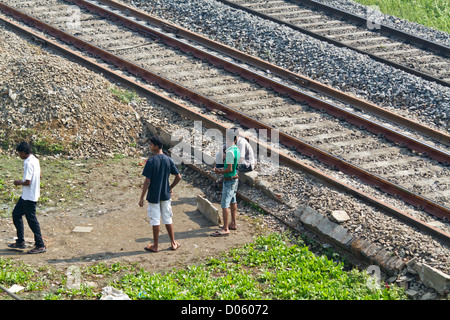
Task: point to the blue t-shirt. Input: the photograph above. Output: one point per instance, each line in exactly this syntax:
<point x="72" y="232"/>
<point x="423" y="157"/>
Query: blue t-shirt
<point x="157" y="169"/>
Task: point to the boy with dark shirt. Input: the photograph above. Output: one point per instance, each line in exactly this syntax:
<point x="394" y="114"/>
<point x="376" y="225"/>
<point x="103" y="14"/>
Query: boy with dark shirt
<point x="156" y="185"/>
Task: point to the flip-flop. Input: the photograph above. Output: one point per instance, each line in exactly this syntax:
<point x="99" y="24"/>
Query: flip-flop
<point x="219" y="234"/>
<point x="149" y="249"/>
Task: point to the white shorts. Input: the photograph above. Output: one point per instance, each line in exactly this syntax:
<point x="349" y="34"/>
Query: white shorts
<point x="160" y="211"/>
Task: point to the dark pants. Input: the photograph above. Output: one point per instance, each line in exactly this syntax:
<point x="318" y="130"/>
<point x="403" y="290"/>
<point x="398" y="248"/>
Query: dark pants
<point x="245" y="167"/>
<point x="27" y="208"/>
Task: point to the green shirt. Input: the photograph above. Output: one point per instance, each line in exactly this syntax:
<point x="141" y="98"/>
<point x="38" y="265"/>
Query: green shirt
<point x="232" y="156"/>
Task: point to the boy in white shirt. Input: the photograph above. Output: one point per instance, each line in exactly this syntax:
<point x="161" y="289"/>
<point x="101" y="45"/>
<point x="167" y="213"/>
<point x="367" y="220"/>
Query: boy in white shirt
<point x="247" y="160"/>
<point x="27" y="202"/>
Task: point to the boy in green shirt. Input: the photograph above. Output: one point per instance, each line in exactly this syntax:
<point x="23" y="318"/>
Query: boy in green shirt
<point x="230" y="184"/>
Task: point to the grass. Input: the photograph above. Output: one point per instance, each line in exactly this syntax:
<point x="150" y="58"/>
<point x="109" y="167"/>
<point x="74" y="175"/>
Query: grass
<point x="125" y="95"/>
<point x="271" y="268"/>
<point x="61" y="181"/>
<point x="430" y="13"/>
<point x="39" y="143"/>
<point x="12" y="272"/>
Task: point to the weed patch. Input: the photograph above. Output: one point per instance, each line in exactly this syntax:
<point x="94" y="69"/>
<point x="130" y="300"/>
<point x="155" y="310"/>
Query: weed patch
<point x="271" y="268"/>
<point x="39" y="143"/>
<point x="430" y="13"/>
<point x="125" y="95"/>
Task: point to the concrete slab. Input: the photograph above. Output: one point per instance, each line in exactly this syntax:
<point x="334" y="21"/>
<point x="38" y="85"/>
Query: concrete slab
<point x="433" y="278"/>
<point x="82" y="229"/>
<point x="208" y="209"/>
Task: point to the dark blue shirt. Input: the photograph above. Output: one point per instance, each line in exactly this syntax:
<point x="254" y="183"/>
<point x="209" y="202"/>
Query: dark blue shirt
<point x="157" y="169"/>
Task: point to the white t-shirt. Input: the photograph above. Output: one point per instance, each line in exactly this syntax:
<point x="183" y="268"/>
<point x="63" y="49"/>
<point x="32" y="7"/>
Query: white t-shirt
<point x="246" y="151"/>
<point x="32" y="172"/>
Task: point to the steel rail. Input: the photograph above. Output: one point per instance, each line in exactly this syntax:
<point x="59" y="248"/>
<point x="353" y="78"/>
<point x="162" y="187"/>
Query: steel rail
<point x="211" y="123"/>
<point x="289" y="141"/>
<point x="444" y="50"/>
<point x="360" y="104"/>
<point x="381" y="28"/>
<point x="267" y="82"/>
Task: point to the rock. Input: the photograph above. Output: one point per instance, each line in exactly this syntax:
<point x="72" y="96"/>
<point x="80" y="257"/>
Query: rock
<point x="110" y="293"/>
<point x="339" y="216"/>
<point x="70" y="104"/>
<point x="16" y="288"/>
<point x="12" y="95"/>
<point x="412" y="294"/>
<point x="433" y="278"/>
<point x="429" y="296"/>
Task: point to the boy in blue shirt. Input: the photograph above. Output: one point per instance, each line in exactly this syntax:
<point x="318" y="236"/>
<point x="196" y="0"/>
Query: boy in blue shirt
<point x="157" y="170"/>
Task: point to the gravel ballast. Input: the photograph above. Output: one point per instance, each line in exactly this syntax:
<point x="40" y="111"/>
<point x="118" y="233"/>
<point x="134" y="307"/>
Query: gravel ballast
<point x="340" y="68"/>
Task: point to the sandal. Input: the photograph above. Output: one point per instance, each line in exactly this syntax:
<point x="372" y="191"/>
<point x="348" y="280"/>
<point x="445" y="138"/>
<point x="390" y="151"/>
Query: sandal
<point x="219" y="234"/>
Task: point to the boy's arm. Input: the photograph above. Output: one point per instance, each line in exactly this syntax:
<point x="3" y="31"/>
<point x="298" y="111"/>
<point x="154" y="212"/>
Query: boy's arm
<point x="144" y="191"/>
<point x="228" y="169"/>
<point x="22" y="183"/>
<point x="175" y="182"/>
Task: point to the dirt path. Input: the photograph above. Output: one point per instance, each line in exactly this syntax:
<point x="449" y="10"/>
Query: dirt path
<point x="120" y="228"/>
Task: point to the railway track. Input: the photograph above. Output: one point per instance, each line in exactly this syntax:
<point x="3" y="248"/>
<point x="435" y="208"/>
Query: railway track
<point x="313" y="127"/>
<point x="402" y="50"/>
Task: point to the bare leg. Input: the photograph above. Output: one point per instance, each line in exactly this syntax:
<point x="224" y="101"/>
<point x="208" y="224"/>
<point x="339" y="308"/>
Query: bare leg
<point x="154" y="247"/>
<point x="225" y="229"/>
<point x="233" y="207"/>
<point x="174" y="245"/>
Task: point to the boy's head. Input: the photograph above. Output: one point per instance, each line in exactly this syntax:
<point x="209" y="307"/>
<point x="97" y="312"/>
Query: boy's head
<point x="156" y="143"/>
<point x="23" y="149"/>
<point x="232" y="134"/>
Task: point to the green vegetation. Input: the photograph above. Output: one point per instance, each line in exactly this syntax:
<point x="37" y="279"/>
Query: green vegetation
<point x="125" y="95"/>
<point x="61" y="181"/>
<point x="270" y="268"/>
<point x="18" y="273"/>
<point x="39" y="143"/>
<point x="430" y="13"/>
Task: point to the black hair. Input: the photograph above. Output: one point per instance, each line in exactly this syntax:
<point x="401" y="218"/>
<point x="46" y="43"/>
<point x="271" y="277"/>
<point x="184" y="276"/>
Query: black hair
<point x="23" y="146"/>
<point x="233" y="134"/>
<point x="157" y="141"/>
